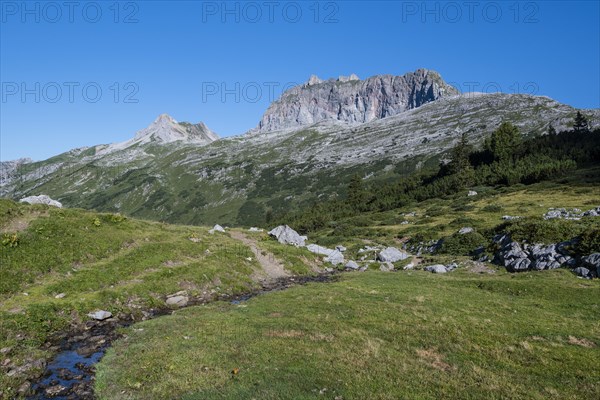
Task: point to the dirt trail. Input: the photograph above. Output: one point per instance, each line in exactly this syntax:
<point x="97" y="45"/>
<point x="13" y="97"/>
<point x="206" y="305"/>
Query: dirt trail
<point x="272" y="268"/>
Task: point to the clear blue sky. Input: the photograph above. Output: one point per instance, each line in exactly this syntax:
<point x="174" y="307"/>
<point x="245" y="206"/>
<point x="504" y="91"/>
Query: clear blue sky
<point x="176" y="55"/>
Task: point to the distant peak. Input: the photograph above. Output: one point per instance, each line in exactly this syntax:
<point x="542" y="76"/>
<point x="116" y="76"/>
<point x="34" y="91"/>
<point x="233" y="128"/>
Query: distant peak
<point x="165" y="118"/>
<point x="314" y="80"/>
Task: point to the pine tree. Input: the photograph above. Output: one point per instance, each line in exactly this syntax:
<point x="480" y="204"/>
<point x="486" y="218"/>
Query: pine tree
<point x="581" y="123"/>
<point x="356" y="193"/>
<point x="505" y="142"/>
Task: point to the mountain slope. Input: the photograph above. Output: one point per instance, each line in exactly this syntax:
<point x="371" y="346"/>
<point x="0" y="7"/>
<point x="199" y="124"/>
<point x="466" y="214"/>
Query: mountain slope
<point x="238" y="180"/>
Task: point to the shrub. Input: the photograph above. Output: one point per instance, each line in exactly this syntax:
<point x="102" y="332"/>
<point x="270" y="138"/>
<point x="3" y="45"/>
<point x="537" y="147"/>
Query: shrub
<point x="492" y="208"/>
<point x="589" y="242"/>
<point x="463" y="245"/>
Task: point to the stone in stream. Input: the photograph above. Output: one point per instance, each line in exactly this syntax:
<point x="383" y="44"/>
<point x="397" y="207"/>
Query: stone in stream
<point x="391" y="254"/>
<point x="179" y="299"/>
<point x="100" y="315"/>
<point x="56" y="390"/>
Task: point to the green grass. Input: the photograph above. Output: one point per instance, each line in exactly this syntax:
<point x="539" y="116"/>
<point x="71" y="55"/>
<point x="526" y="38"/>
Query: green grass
<point x="373" y="335"/>
<point x="104" y="261"/>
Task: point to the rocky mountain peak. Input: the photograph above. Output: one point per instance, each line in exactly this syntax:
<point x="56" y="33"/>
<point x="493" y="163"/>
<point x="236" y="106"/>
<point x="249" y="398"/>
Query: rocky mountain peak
<point x="353" y="101"/>
<point x="165" y="129"/>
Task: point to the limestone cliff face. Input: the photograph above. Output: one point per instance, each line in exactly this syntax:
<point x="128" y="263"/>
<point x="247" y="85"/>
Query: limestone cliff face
<point x="354" y="101"/>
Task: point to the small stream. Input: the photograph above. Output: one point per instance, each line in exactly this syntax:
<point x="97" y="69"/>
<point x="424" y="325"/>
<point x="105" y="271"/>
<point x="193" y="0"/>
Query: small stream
<point x="70" y="375"/>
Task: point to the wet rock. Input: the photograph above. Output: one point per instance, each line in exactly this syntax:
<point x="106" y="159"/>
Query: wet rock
<point x="56" y="390"/>
<point x="100" y="315"/>
<point x="392" y="254"/>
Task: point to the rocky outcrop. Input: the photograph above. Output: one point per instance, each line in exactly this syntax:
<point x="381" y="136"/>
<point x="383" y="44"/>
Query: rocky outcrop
<point x="391" y="254"/>
<point x="354" y="101"/>
<point x="286" y="235"/>
<point x="41" y="199"/>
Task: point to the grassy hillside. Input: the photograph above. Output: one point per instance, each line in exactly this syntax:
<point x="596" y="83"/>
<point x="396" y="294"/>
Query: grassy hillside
<point x="373" y="335"/>
<point x="57" y="265"/>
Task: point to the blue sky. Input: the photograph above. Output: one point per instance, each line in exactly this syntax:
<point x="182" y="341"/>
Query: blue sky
<point x="203" y="61"/>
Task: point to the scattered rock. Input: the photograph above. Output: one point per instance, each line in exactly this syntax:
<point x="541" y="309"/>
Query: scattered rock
<point x="25" y="389"/>
<point x="255" y="229"/>
<point x="472" y="193"/>
<point x="386" y="266"/>
<point x="60" y="296"/>
<point x="5" y="350"/>
<point x="100" y="315"/>
<point x="340" y="248"/>
<point x="392" y="254"/>
<point x="41" y="199"/>
<point x="510" y="217"/>
<point x="436" y="269"/>
<point x="351" y="265"/>
<point x="465" y="230"/>
<point x="409" y="266"/>
<point x="320" y="250"/>
<point x="216" y="228"/>
<point x="179" y="301"/>
<point x="592" y="262"/>
<point x="574" y="214"/>
<point x="335" y="258"/>
<point x="286" y="235"/>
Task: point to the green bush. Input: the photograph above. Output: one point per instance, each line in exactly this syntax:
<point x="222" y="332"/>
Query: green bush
<point x="589" y="242"/>
<point x="538" y="230"/>
<point x="492" y="208"/>
<point x="462" y="245"/>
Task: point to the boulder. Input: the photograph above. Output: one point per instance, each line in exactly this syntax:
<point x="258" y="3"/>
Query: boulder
<point x="320" y="250"/>
<point x="386" y="267"/>
<point x="100" y="315"/>
<point x="391" y="254"/>
<point x="509" y="217"/>
<point x="592" y="262"/>
<point x="216" y="228"/>
<point x="286" y="235"/>
<point x="472" y="193"/>
<point x="335" y="258"/>
<point x="436" y="269"/>
<point x="255" y="229"/>
<point x="465" y="230"/>
<point x="41" y="199"/>
<point x="177" y="301"/>
<point x="583" y="272"/>
<point x="352" y="265"/>
<point x="409" y="266"/>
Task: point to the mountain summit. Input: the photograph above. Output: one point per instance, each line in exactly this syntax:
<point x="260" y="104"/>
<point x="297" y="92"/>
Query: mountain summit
<point x="354" y="101"/>
<point x="166" y="130"/>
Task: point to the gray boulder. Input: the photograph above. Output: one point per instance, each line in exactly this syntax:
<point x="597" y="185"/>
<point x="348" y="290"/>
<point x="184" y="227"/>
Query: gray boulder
<point x="592" y="262"/>
<point x="286" y="235"/>
<point x="386" y="267"/>
<point x="436" y="269"/>
<point x="465" y="230"/>
<point x="351" y="265"/>
<point x="472" y="193"/>
<point x="340" y="248"/>
<point x="320" y="250"/>
<point x="41" y="199"/>
<point x="335" y="258"/>
<point x="100" y="315"/>
<point x="216" y="228"/>
<point x="177" y="301"/>
<point x="583" y="272"/>
<point x="391" y="254"/>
